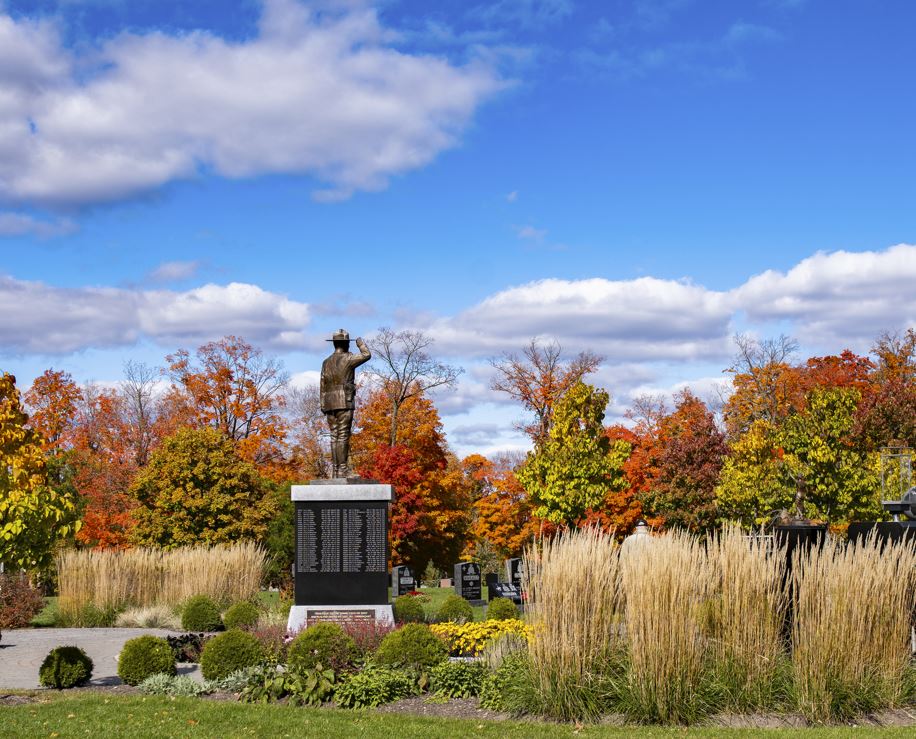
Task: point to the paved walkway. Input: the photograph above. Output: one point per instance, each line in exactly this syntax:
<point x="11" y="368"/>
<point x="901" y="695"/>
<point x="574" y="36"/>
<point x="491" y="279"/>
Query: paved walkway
<point x="23" y="650"/>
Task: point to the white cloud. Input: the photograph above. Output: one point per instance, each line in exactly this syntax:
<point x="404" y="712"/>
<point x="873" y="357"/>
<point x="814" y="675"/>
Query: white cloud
<point x="530" y="233"/>
<point x="22" y="224"/>
<point x="512" y="196"/>
<point x="317" y="93"/>
<point x="626" y="320"/>
<point x="837" y="298"/>
<point x="53" y="320"/>
<point x="175" y="271"/>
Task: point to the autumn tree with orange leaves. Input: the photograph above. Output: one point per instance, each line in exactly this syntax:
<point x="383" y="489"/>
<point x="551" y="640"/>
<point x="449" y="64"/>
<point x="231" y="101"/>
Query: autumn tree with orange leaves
<point x="538" y="379"/>
<point x="52" y="402"/>
<point x="231" y="386"/>
<point x="429" y="517"/>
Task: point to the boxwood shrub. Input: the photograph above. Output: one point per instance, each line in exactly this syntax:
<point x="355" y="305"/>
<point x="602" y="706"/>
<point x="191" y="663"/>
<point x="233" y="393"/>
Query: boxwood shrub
<point x="501" y="609"/>
<point x="200" y="613"/>
<point x="455" y="608"/>
<point x="326" y="644"/>
<point x="226" y="653"/>
<point x="413" y="645"/>
<point x="65" y="667"/>
<point x="145" y="656"/>
<point x="241" y="615"/>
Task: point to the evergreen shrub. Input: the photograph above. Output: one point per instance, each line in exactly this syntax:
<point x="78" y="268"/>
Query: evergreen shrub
<point x="200" y="613"/>
<point x="324" y="644"/>
<point x="241" y="615"/>
<point x="228" y="652"/>
<point x="455" y="608"/>
<point x="413" y="645"/>
<point x="145" y="656"/>
<point x="65" y="667"/>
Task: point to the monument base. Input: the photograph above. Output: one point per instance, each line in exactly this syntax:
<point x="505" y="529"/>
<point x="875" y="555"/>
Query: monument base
<point x="301" y="617"/>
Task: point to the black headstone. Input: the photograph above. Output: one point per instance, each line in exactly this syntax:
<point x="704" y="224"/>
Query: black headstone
<point x="467" y="580"/>
<point x="341" y="553"/>
<point x="505" y="590"/>
<point x="885" y="531"/>
<point x="402" y="580"/>
<point x="514" y="571"/>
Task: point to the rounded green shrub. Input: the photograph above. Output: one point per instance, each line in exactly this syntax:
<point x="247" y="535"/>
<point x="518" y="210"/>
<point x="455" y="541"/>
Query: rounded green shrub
<point x="407" y="610"/>
<point x="413" y="645"/>
<point x="242" y="615"/>
<point x="65" y="667"/>
<point x="455" y="608"/>
<point x="325" y="644"/>
<point x="200" y="613"/>
<point x="502" y="609"/>
<point x="226" y="653"/>
<point x="145" y="656"/>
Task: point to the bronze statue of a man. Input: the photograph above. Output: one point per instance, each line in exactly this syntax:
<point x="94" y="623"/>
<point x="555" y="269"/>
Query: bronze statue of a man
<point x="338" y="391"/>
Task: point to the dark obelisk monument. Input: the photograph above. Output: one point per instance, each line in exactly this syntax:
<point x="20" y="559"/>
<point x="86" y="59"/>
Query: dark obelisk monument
<point x="341" y="566"/>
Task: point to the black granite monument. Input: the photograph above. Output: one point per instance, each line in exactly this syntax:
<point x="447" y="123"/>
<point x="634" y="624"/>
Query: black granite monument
<point x="467" y="581"/>
<point x="402" y="580"/>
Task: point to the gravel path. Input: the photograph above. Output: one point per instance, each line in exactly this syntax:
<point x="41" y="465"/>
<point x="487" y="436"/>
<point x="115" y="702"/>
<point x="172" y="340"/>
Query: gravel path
<point x="23" y="650"/>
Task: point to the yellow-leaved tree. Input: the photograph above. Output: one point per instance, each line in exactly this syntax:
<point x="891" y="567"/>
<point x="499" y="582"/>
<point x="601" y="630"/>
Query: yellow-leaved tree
<point x="33" y="516"/>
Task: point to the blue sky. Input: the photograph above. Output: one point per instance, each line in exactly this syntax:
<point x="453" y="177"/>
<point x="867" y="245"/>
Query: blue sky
<point x="641" y="178"/>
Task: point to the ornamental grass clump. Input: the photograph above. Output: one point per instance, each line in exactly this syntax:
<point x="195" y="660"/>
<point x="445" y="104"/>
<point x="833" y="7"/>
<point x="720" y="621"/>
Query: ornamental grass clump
<point x="111" y="581"/>
<point x="572" y="586"/>
<point x="667" y="583"/>
<point x="744" y="620"/>
<point x="851" y="627"/>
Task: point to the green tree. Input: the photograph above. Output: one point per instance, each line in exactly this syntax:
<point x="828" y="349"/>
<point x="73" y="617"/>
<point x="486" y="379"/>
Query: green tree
<point x="807" y="466"/>
<point x="572" y="470"/>
<point x="33" y="515"/>
<point x="196" y="489"/>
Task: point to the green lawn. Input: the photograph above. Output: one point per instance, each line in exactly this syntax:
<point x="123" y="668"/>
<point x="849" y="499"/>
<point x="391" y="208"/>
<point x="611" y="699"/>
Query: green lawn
<point x="48" y="616"/>
<point x="437" y="595"/>
<point x="94" y="714"/>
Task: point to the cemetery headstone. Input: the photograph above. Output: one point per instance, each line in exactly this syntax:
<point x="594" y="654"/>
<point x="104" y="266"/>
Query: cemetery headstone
<point x="515" y="571"/>
<point x="504" y="590"/>
<point x="402" y="580"/>
<point x="467" y="581"/>
<point x="340" y="568"/>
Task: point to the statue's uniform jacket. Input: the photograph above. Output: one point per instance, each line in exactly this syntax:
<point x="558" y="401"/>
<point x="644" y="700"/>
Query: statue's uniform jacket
<point x="338" y="379"/>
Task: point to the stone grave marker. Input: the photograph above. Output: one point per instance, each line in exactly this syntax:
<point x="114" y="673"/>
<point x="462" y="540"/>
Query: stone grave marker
<point x="467" y="582"/>
<point x="515" y="571"/>
<point x="402" y="580"/>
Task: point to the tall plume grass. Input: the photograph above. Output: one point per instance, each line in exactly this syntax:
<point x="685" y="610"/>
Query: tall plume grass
<point x="111" y="581"/>
<point x="572" y="586"/>
<point x="745" y="617"/>
<point x="667" y="585"/>
<point x="851" y="627"/>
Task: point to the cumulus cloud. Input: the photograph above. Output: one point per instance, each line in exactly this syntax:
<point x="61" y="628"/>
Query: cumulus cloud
<point x="641" y="319"/>
<point x="54" y="320"/>
<point x="838" y="297"/>
<point x="23" y="224"/>
<point x="318" y="93"/>
<point x="175" y="271"/>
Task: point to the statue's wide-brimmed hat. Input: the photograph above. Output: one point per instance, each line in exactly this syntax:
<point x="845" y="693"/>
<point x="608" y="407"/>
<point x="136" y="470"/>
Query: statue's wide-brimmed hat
<point x="340" y="335"/>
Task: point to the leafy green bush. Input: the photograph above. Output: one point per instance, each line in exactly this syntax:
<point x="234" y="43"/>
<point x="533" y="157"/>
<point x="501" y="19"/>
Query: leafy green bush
<point x="459" y="679"/>
<point x="502" y="609"/>
<point x="374" y="686"/>
<point x="200" y="613"/>
<point x="65" y="667"/>
<point x="413" y="645"/>
<point x="161" y="684"/>
<point x="407" y="610"/>
<point x="145" y="656"/>
<point x="226" y="653"/>
<point x="508" y="687"/>
<point x="242" y="615"/>
<point x="306" y="687"/>
<point x="455" y="608"/>
<point x="327" y="644"/>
